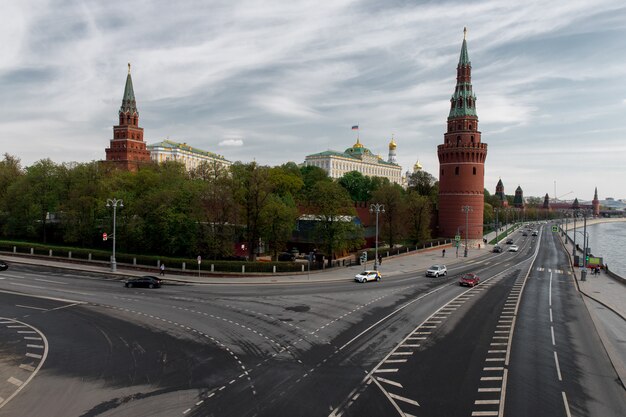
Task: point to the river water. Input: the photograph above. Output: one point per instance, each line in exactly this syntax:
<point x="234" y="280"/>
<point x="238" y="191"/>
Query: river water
<point x="607" y="240"/>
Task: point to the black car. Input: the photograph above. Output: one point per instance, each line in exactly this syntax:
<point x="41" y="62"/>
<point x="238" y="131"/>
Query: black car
<point x="3" y="266"/>
<point x="509" y="241"/>
<point x="147" y="281"/>
<point x="286" y="257"/>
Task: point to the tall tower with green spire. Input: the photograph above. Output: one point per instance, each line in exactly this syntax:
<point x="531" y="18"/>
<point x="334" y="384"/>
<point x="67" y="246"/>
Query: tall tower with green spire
<point x="462" y="161"/>
<point x="127" y="149"/>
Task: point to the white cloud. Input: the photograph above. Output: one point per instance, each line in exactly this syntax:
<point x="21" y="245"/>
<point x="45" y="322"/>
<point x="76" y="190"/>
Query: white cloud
<point x="231" y="142"/>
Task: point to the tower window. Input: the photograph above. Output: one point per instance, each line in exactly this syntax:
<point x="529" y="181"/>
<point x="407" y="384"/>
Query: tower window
<point x="442" y="172"/>
<point x="456" y="171"/>
<point x="472" y="138"/>
<point x="474" y="170"/>
<point x="470" y="127"/>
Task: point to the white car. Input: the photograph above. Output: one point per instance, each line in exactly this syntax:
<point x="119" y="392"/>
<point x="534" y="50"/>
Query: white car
<point x="368" y="276"/>
<point x="513" y="248"/>
<point x="436" y="271"/>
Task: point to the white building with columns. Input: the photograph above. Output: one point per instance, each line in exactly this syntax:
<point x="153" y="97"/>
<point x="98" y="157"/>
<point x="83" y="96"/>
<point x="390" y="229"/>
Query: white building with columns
<point x="191" y="157"/>
<point x="358" y="158"/>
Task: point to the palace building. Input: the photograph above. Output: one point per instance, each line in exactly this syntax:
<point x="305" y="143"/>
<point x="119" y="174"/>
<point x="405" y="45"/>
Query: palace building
<point x="191" y="157"/>
<point x="358" y="158"/>
<point x="462" y="162"/>
<point x="127" y="149"/>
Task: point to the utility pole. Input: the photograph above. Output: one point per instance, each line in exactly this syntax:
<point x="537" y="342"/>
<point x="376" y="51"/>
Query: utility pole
<point x="377" y="208"/>
<point x="466" y="210"/>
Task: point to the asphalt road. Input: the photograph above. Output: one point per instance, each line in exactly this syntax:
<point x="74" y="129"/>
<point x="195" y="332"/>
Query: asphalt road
<point x="408" y="345"/>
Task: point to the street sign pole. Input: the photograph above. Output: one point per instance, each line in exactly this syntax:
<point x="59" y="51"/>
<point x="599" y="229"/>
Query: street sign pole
<point x="199" y="262"/>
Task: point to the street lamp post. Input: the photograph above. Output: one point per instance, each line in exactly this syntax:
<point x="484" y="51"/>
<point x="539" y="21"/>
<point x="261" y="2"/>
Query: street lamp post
<point x="495" y="210"/>
<point x="574" y="213"/>
<point x="583" y="273"/>
<point x="114" y="203"/>
<point x="377" y="208"/>
<point x="466" y="210"/>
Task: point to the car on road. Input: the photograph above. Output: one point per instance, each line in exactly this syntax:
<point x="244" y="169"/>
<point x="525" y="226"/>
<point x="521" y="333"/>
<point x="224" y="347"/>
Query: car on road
<point x="436" y="271"/>
<point x="369" y="275"/>
<point x="497" y="249"/>
<point x="513" y="248"/>
<point x="3" y="266"/>
<point x="535" y="233"/>
<point x="469" y="280"/>
<point x="147" y="281"/>
<point x="524" y="234"/>
<point x="286" y="257"/>
<point x="509" y="241"/>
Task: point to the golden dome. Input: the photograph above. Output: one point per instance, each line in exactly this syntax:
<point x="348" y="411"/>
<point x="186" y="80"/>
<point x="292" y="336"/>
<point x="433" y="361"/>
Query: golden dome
<point x="417" y="166"/>
<point x="392" y="145"/>
<point x="357" y="144"/>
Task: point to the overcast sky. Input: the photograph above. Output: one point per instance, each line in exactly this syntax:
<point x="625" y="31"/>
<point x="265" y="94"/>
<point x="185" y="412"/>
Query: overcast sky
<point x="275" y="81"/>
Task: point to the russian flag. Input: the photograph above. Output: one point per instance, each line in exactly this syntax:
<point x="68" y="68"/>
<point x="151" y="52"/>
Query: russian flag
<point x="355" y="127"/>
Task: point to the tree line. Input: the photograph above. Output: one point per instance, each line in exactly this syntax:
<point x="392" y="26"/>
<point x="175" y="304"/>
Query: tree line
<point x="174" y="212"/>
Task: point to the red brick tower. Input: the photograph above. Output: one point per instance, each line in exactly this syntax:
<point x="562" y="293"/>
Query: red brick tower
<point x="462" y="162"/>
<point x="127" y="149"/>
<point x="596" y="204"/>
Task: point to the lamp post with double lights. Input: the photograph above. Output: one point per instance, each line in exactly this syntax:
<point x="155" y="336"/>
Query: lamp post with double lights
<point x="377" y="208"/>
<point x="466" y="210"/>
<point x="574" y="214"/>
<point x="114" y="202"/>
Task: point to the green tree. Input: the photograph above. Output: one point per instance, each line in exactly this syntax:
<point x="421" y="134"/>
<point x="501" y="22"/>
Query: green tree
<point x="333" y="211"/>
<point x="418" y="216"/>
<point x="280" y="215"/>
<point x="357" y="185"/>
<point x="391" y="223"/>
<point x="252" y="190"/>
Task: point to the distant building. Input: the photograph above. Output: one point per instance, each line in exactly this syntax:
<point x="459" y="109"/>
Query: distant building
<point x="191" y="157"/>
<point x="518" y="201"/>
<point x="127" y="150"/>
<point x="596" y="203"/>
<point x="500" y="194"/>
<point x="358" y="158"/>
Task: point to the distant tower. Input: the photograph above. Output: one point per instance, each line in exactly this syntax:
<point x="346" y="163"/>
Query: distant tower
<point x="462" y="161"/>
<point x="546" y="202"/>
<point x="127" y="148"/>
<point x="575" y="204"/>
<point x="392" y="152"/>
<point x="500" y="194"/>
<point x="518" y="201"/>
<point x="596" y="204"/>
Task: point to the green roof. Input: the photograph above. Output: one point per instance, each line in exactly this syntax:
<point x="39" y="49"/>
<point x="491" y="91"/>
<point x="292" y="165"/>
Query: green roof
<point x="354" y="155"/>
<point x="463" y="100"/>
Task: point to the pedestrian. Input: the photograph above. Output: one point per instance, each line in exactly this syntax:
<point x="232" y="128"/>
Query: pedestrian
<point x="443" y="253"/>
<point x="380" y="259"/>
<point x="597" y="270"/>
<point x="162" y="268"/>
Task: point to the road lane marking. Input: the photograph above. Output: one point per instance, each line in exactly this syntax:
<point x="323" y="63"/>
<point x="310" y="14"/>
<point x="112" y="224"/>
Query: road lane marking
<point x="15" y="381"/>
<point x="27" y="368"/>
<point x="566" y="404"/>
<point x="35" y="346"/>
<point x="481" y="402"/>
<point x="31" y="307"/>
<point x="390" y="382"/>
<point x="552" y="332"/>
<point x="42" y="297"/>
<point x="396" y="361"/>
<point x="550" y="291"/>
<point x="406" y="400"/>
<point x="51" y="281"/>
<point x="380" y="370"/>
<point x="558" y="368"/>
<point x="33" y="355"/>
<point x="498" y="389"/>
<point x="484" y="413"/>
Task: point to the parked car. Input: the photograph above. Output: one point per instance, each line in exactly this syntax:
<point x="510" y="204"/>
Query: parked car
<point x="509" y="241"/>
<point x="513" y="248"/>
<point x="286" y="257"/>
<point x="436" y="271"/>
<point x="147" y="281"/>
<point x="368" y="276"/>
<point x="3" y="266"/>
<point x="469" y="280"/>
<point x="497" y="249"/>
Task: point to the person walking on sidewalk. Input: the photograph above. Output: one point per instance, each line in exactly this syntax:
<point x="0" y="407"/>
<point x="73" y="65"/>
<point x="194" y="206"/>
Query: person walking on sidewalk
<point x="443" y="253"/>
<point x="162" y="268"/>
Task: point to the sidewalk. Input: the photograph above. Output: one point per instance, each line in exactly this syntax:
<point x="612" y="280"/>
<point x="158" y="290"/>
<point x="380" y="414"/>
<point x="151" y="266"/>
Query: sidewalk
<point x="611" y="293"/>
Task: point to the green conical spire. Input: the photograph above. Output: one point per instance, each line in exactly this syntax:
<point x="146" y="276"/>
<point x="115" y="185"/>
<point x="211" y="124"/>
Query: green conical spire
<point x="128" y="101"/>
<point x="464" y="58"/>
<point x="463" y="101"/>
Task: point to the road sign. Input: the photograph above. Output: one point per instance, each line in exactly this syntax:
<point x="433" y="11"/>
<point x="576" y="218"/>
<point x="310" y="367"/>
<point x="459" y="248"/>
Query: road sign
<point x="199" y="259"/>
<point x="104" y="236"/>
<point x="457" y="238"/>
<point x="555" y="228"/>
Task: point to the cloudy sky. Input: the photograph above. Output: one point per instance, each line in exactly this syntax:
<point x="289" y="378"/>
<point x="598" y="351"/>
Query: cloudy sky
<point x="277" y="80"/>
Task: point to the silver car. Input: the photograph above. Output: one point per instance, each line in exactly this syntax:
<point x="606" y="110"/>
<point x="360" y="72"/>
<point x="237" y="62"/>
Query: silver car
<point x="436" y="271"/>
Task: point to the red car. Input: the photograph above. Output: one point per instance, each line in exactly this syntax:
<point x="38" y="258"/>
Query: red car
<point x="469" y="280"/>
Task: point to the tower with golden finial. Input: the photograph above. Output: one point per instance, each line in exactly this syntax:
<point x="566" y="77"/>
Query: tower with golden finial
<point x="462" y="161"/>
<point x="127" y="150"/>
<point x="392" y="152"/>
